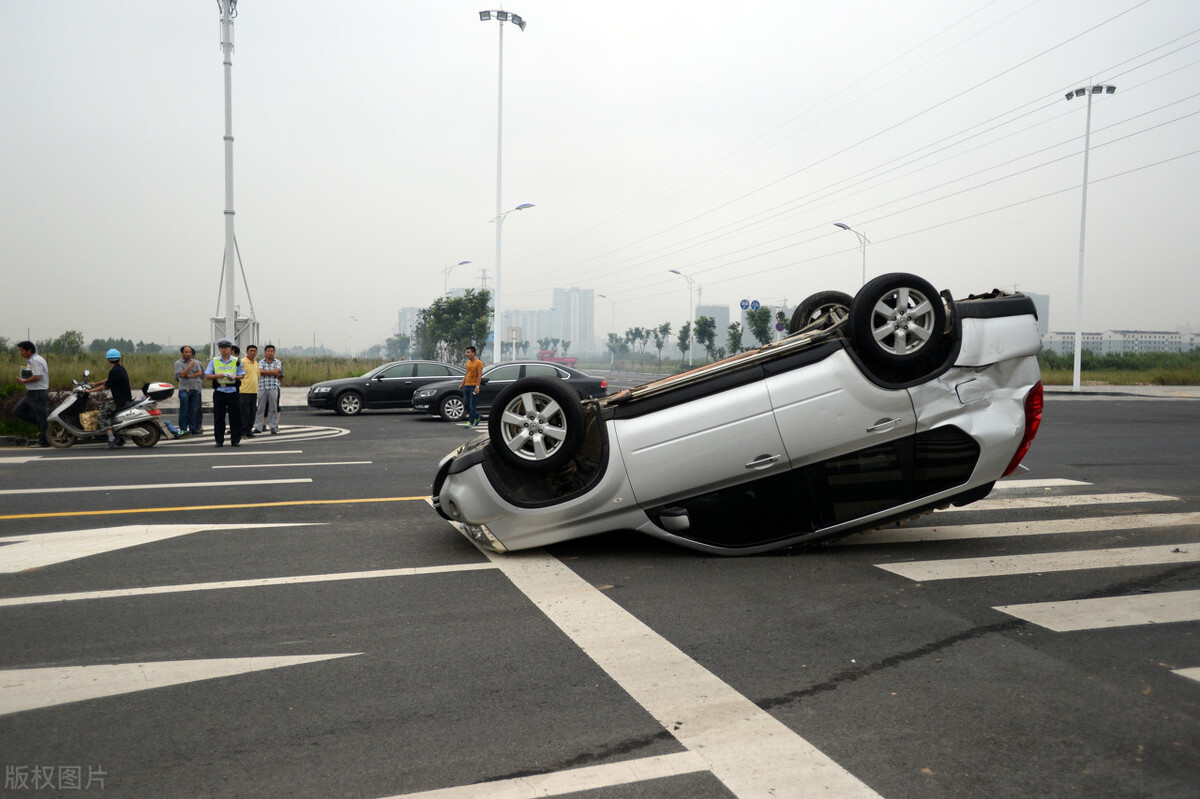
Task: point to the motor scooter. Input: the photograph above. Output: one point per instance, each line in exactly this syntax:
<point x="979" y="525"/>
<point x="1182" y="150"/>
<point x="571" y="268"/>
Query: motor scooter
<point x="140" y="421"/>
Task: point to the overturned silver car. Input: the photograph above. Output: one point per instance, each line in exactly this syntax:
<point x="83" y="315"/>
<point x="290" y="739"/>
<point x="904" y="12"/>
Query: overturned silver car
<point x="874" y="408"/>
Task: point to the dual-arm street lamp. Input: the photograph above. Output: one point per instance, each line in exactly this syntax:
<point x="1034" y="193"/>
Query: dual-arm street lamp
<point x="497" y="318"/>
<point x="501" y="17"/>
<point x="612" y="329"/>
<point x="1087" y="142"/>
<point x="446" y="276"/>
<point x="691" y="312"/>
<point x="863" y="241"/>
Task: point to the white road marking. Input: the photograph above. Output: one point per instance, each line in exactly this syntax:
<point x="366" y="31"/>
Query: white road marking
<point x="904" y="535"/>
<point x="749" y="750"/>
<point x="259" y="582"/>
<point x="1191" y="674"/>
<point x="576" y="780"/>
<point x="1053" y="482"/>
<point x="282" y="465"/>
<point x="21" y="552"/>
<point x="30" y="689"/>
<point x="226" y="452"/>
<point x="1061" y="501"/>
<point x="1001" y="565"/>
<point x="1110" y="611"/>
<point x="152" y="486"/>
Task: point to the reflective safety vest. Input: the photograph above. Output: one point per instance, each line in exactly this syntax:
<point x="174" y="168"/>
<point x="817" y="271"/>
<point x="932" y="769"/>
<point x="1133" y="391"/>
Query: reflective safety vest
<point x="226" y="372"/>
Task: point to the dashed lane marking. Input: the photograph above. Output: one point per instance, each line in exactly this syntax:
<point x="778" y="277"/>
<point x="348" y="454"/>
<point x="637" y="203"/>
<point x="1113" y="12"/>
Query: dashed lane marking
<point x="1004" y="565"/>
<point x="1053" y="482"/>
<point x="152" y="486"/>
<point x="1191" y="674"/>
<point x="1111" y="611"/>
<point x="1062" y="501"/>
<point x="284" y="465"/>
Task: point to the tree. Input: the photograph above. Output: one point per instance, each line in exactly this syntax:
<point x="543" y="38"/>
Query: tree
<point x="544" y="343"/>
<point x="445" y="329"/>
<point x="706" y="334"/>
<point x="566" y="345"/>
<point x="759" y="323"/>
<point x="683" y="340"/>
<point x="523" y="346"/>
<point x="735" y="338"/>
<point x="398" y="347"/>
<point x="69" y="343"/>
<point x="661" y="334"/>
<point x="617" y="346"/>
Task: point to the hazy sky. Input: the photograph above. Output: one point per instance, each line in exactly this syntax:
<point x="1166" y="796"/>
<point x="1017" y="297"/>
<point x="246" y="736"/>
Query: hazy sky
<point x="719" y="139"/>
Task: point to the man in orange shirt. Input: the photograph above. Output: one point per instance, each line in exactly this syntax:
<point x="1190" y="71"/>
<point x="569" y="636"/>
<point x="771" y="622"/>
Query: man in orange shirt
<point x="470" y="387"/>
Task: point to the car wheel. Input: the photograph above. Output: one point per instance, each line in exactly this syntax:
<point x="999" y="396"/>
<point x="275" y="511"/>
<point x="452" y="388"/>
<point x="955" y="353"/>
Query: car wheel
<point x="898" y="320"/>
<point x="834" y="303"/>
<point x="536" y="425"/>
<point x="348" y="403"/>
<point x="452" y="408"/>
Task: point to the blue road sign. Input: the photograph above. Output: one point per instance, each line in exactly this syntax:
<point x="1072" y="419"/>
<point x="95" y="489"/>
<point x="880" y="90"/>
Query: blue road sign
<point x="745" y="304"/>
<point x="754" y="306"/>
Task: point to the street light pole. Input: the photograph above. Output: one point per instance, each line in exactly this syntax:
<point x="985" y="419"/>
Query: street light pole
<point x="1087" y="143"/>
<point x="501" y="17"/>
<point x="496" y="313"/>
<point x="612" y="329"/>
<point x="446" y="276"/>
<point x="863" y="241"/>
<point x="691" y="313"/>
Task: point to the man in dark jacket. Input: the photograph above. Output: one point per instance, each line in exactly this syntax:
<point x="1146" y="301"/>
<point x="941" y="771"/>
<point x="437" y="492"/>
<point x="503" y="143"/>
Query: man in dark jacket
<point x="120" y="392"/>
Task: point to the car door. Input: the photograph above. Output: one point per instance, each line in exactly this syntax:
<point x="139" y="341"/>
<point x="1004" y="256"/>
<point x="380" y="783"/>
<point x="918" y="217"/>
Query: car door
<point x="498" y="378"/>
<point x="826" y="407"/>
<point x="700" y="438"/>
<point x="391" y="387"/>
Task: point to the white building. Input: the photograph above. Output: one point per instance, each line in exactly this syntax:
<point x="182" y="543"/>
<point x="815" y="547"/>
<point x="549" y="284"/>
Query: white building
<point x="1121" y="342"/>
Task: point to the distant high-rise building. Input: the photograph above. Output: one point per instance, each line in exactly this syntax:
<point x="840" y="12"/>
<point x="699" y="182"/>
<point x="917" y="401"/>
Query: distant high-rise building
<point x="407" y="320"/>
<point x="573" y="318"/>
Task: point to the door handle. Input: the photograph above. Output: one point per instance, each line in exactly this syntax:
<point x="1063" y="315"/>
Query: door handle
<point x="762" y="461"/>
<point x="883" y="425"/>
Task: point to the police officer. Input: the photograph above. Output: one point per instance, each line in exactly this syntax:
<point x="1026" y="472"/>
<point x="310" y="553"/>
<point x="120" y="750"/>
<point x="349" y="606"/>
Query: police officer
<point x="225" y="370"/>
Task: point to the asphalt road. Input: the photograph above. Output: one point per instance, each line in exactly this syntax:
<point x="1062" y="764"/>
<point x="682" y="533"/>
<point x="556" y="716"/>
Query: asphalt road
<point x="290" y="618"/>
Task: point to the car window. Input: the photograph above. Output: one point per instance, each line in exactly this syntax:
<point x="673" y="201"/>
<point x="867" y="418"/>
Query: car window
<point x="510" y="371"/>
<point x="432" y="370"/>
<point x="542" y="370"/>
<point x="399" y="370"/>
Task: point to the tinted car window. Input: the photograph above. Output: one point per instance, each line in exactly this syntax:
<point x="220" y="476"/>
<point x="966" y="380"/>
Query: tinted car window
<point x="542" y="370"/>
<point x="508" y="372"/>
<point x="432" y="370"/>
<point x="399" y="370"/>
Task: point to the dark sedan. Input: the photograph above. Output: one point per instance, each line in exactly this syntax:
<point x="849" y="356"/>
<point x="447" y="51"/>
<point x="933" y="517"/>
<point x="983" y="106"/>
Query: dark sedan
<point x="388" y="386"/>
<point x="445" y="399"/>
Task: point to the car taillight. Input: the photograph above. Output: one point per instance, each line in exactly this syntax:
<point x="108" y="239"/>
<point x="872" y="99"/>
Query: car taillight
<point x="1033" y="419"/>
<point x="603" y="383"/>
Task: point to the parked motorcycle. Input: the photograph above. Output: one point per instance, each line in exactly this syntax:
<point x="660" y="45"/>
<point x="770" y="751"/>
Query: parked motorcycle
<point x="140" y="421"/>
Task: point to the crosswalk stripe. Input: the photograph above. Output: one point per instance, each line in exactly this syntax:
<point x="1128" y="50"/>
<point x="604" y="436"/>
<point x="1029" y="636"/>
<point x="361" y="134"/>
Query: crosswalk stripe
<point x="1113" y="611"/>
<point x="995" y="566"/>
<point x="1063" y="501"/>
<point x="1052" y="482"/>
<point x="1191" y="674"/>
<point x="952" y="532"/>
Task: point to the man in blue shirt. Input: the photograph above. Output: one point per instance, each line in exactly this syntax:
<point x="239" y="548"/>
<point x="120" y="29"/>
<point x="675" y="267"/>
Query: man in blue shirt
<point x="225" y="370"/>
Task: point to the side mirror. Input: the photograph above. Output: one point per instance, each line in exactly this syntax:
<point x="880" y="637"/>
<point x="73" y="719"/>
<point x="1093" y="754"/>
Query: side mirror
<point x="483" y="381"/>
<point x="87" y="372"/>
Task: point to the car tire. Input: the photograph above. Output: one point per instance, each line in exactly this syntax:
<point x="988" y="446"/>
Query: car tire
<point x="536" y="425"/>
<point x="348" y="403"/>
<point x="835" y="303"/>
<point x="452" y="408"/>
<point x="897" y="321"/>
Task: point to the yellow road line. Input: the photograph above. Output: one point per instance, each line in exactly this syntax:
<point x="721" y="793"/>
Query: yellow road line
<point x="211" y="507"/>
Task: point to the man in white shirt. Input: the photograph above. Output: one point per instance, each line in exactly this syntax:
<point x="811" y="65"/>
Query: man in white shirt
<point x="36" y="377"/>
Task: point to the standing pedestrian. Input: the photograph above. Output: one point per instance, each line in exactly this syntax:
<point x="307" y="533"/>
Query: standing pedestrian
<point x="189" y="371"/>
<point x="120" y="395"/>
<point x="248" y="389"/>
<point x="225" y="371"/>
<point x="470" y="387"/>
<point x="270" y="373"/>
<point x="36" y="377"/>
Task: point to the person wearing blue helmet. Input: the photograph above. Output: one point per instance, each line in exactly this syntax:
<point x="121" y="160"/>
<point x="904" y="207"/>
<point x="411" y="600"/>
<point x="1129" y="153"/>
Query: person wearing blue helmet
<point x="120" y="393"/>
